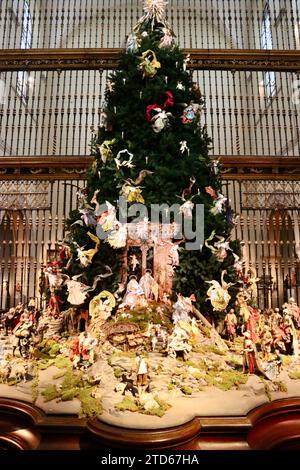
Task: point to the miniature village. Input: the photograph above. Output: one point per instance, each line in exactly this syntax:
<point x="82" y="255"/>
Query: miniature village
<point x="149" y="354"/>
<point x="137" y="329"/>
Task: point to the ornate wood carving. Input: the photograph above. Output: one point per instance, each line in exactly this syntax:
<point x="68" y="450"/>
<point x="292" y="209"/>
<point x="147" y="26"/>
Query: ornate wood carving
<point x="48" y="168"/>
<point x="61" y="167"/>
<point x="18" y="195"/>
<point x="244" y="59"/>
<point x="107" y="59"/>
<point x="243" y="167"/>
<point x="268" y="194"/>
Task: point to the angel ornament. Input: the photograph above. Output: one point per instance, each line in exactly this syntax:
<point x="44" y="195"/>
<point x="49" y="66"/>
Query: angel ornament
<point x="133" y="43"/>
<point x="149" y="64"/>
<point x="167" y="40"/>
<point x="117" y="238"/>
<point x="218" y="204"/>
<point x="161" y="120"/>
<point x="126" y="162"/>
<point x="186" y="209"/>
<point x="54" y="275"/>
<point x="220" y="247"/>
<point x="77" y="291"/>
<point x="134" y="262"/>
<point x="184" y="147"/>
<point x="105" y="149"/>
<point x="218" y="293"/>
<point x="101" y="306"/>
<point x="85" y="256"/>
<point x="108" y="218"/>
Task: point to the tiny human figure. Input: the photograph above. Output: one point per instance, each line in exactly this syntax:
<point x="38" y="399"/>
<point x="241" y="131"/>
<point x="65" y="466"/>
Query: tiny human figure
<point x="141" y="371"/>
<point x="266" y="343"/>
<point x="22" y="335"/>
<point x="87" y="346"/>
<point x="278" y="361"/>
<point x="54" y="307"/>
<point x="249" y="354"/>
<point x="75" y="354"/>
<point x="275" y="318"/>
<point x="230" y="323"/>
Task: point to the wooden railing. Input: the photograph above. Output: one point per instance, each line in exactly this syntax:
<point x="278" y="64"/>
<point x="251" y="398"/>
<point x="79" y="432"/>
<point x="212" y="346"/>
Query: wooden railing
<point x="107" y="59"/>
<point x="61" y="167"/>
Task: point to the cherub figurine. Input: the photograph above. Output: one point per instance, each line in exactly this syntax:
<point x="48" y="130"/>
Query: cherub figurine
<point x="134" y="262"/>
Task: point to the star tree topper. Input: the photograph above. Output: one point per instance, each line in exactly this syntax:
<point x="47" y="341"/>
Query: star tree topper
<point x="154" y="11"/>
<point x="155" y="8"/>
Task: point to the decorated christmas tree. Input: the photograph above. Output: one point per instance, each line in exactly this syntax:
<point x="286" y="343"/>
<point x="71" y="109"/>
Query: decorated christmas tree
<point x="146" y="262"/>
<point x="153" y="201"/>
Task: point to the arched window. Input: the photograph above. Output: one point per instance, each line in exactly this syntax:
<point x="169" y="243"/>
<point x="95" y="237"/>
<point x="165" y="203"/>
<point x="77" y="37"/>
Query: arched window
<point x="266" y="42"/>
<point x="25" y="43"/>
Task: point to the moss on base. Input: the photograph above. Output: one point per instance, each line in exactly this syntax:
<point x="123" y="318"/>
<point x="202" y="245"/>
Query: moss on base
<point x="90" y="407"/>
<point x="226" y="380"/>
<point x="73" y="386"/>
<point x="62" y="362"/>
<point x="50" y="393"/>
<point x="127" y="404"/>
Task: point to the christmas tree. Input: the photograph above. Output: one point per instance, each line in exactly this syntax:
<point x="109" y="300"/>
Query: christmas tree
<point x="151" y="149"/>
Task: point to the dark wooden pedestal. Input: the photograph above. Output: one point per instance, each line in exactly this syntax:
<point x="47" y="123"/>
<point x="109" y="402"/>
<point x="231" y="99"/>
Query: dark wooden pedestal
<point x="272" y="426"/>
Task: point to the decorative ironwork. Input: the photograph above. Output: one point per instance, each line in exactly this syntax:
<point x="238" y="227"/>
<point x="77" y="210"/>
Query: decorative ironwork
<point x="20" y="195"/>
<point x="270" y="194"/>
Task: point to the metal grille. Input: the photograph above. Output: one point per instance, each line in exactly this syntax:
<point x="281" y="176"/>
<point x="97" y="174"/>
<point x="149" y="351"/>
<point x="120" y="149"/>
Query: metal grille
<point x="270" y="243"/>
<point x="29" y="239"/>
<point x="104" y="23"/>
<point x="62" y="108"/>
<point x="270" y="195"/>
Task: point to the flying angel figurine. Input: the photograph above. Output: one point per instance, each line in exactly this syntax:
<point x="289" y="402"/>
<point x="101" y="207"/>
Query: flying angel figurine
<point x="218" y="293"/>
